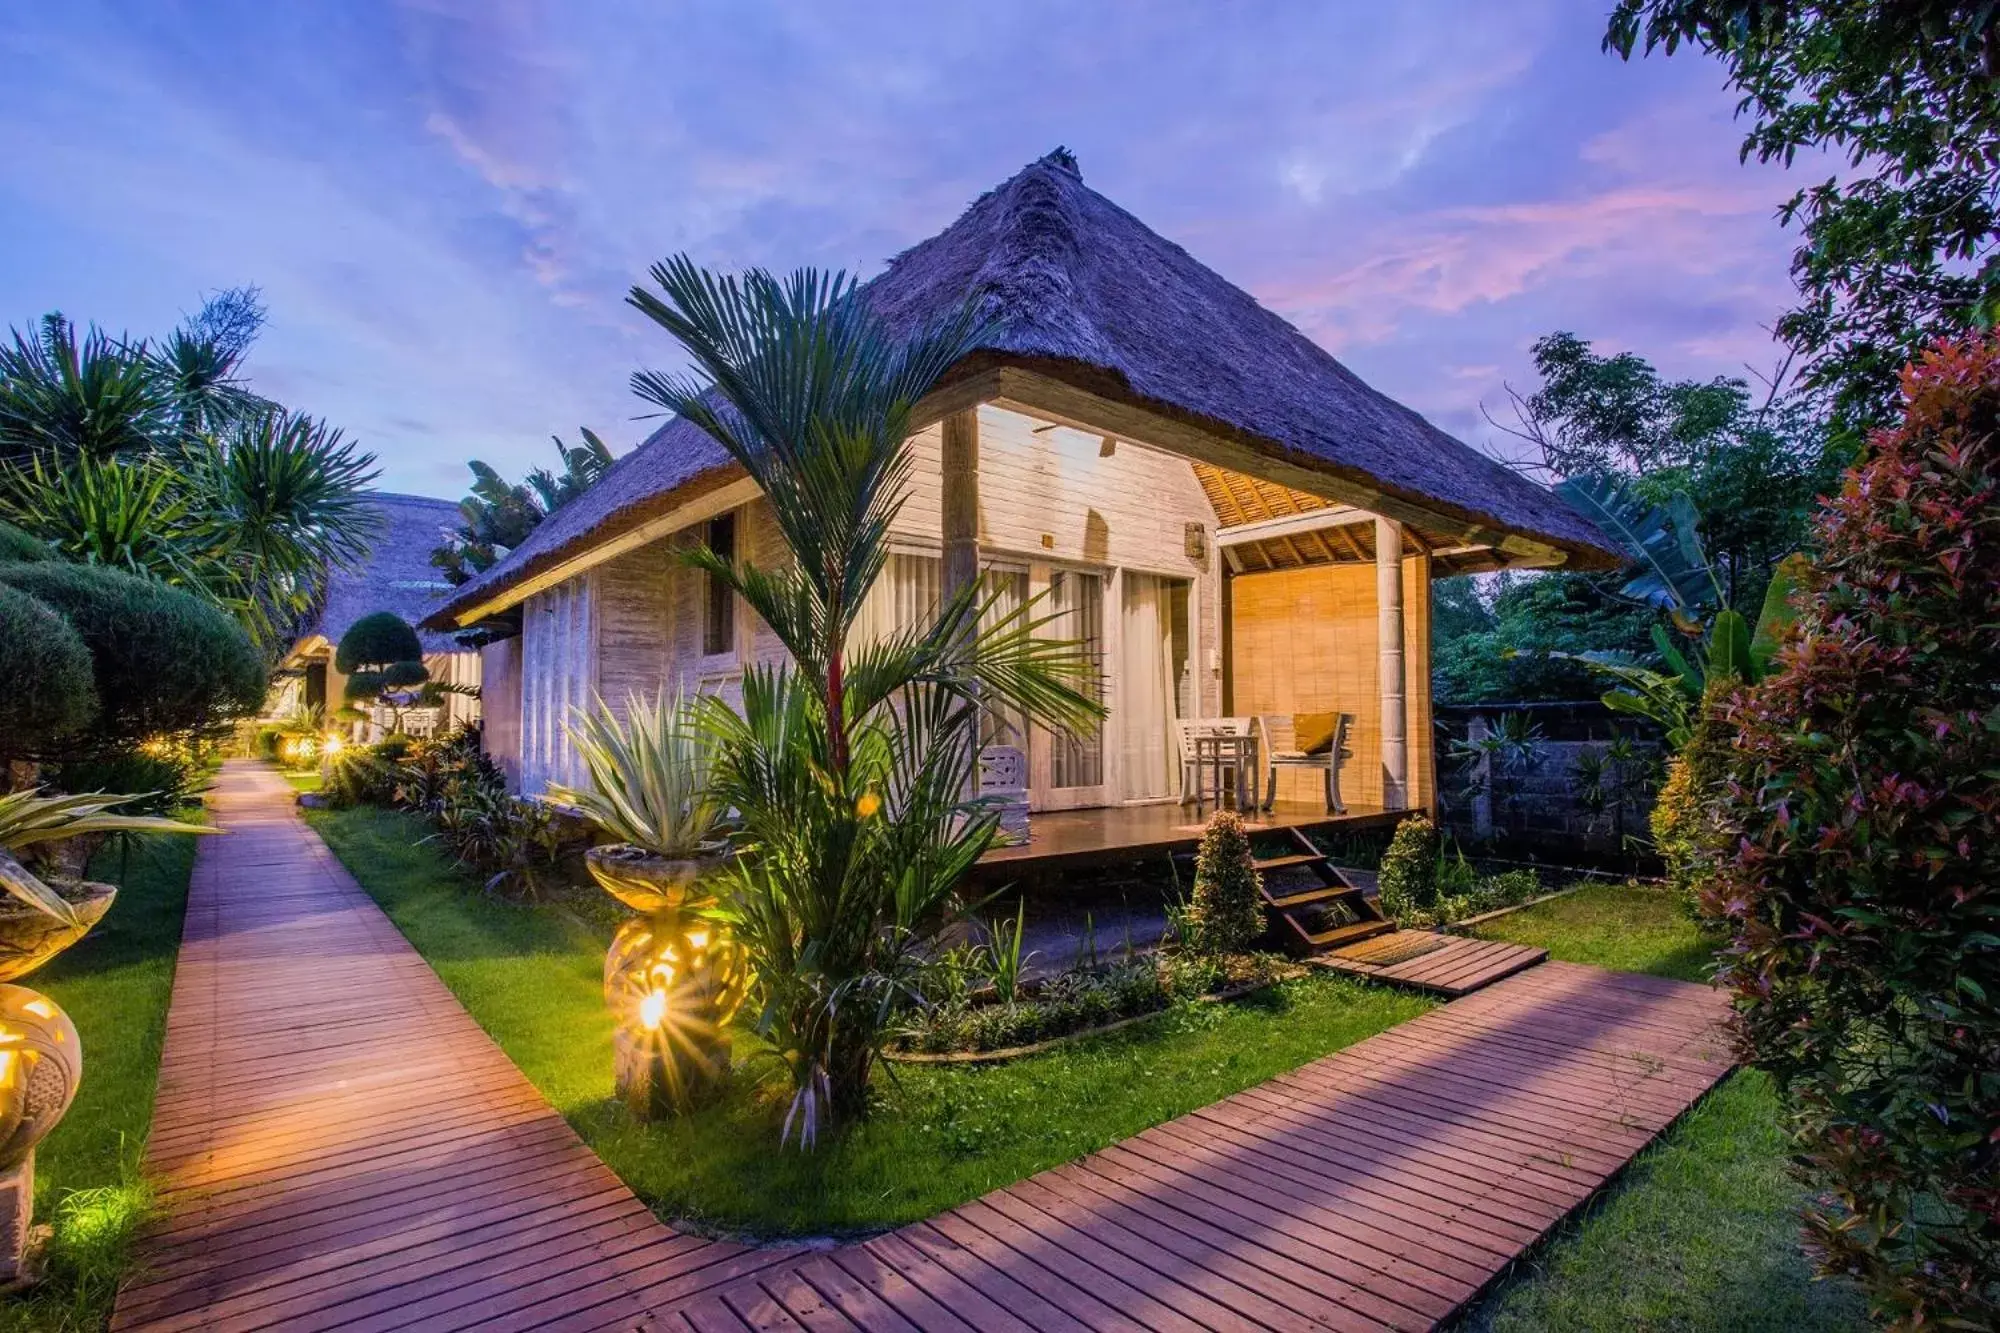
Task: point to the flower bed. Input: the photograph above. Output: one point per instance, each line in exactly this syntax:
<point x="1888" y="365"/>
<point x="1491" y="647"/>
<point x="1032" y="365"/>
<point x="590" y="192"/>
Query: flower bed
<point x="1079" y="1002"/>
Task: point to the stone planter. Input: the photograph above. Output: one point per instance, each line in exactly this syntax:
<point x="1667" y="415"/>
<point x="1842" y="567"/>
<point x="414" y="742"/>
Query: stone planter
<point x="673" y="979"/>
<point x="648" y="883"/>
<point x="41" y="1057"/>
<point x="30" y="937"/>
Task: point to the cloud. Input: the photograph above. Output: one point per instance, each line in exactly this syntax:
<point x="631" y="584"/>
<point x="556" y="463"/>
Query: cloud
<point x="446" y="200"/>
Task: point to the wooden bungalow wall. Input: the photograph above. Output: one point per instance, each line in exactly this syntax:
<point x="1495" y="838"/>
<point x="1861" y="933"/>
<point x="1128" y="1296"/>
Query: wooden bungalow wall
<point x="500" y="705"/>
<point x="1306" y="641"/>
<point x="633" y="624"/>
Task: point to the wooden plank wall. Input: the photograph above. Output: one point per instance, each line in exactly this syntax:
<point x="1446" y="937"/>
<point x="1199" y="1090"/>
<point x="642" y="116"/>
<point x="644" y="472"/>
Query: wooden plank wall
<point x="1305" y="641"/>
<point x="1050" y="494"/>
<point x="558" y="648"/>
<point x="500" y="706"/>
<point x="634" y="626"/>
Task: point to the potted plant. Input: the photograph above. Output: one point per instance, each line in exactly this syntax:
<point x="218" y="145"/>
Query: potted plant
<point x="649" y="793"/>
<point x="41" y="1057"/>
<point x="674" y="976"/>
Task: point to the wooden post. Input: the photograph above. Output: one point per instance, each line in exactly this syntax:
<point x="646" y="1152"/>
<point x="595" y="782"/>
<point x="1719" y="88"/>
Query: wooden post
<point x="1389" y="635"/>
<point x="961" y="501"/>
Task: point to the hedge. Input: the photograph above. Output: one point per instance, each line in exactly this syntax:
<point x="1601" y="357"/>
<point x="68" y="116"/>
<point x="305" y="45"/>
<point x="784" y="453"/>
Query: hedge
<point x="50" y="691"/>
<point x="163" y="660"/>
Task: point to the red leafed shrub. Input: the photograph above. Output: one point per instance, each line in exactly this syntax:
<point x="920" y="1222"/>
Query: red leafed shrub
<point x="1863" y="886"/>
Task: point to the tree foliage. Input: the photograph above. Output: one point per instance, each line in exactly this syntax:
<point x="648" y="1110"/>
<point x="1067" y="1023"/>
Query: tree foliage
<point x="162" y="660"/>
<point x="1861" y="873"/>
<point x="159" y="460"/>
<point x="851" y="771"/>
<point x="1726" y="472"/>
<point x="497" y="515"/>
<point x="1902" y="244"/>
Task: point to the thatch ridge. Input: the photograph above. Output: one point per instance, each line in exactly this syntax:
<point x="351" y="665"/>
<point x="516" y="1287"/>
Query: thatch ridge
<point x="397" y="574"/>
<point x="1075" y="287"/>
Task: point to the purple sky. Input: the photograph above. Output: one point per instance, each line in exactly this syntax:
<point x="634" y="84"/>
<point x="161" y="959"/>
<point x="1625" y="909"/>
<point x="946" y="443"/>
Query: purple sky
<point x="445" y="200"/>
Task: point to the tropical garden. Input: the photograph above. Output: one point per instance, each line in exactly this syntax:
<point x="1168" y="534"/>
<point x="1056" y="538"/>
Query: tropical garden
<point x="745" y="960"/>
<point x="163" y="528"/>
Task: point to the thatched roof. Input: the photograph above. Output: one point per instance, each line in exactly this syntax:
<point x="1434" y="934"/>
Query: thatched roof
<point x="397" y="575"/>
<point x="1077" y="289"/>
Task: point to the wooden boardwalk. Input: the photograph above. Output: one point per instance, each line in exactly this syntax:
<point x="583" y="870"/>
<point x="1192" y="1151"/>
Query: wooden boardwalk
<point x="337" y="1143"/>
<point x="1447" y="965"/>
<point x="341" y="1147"/>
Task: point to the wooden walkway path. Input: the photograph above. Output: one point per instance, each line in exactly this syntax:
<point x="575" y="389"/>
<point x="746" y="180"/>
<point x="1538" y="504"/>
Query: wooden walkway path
<point x="342" y="1148"/>
<point x="338" y="1144"/>
<point x="1447" y="965"/>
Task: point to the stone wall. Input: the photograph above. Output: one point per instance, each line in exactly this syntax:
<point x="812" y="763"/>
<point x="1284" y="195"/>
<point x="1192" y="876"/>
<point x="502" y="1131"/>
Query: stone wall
<point x="1551" y="779"/>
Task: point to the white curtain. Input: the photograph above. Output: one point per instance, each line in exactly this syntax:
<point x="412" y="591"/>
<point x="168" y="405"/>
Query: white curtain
<point x="906" y="594"/>
<point x="1146" y="699"/>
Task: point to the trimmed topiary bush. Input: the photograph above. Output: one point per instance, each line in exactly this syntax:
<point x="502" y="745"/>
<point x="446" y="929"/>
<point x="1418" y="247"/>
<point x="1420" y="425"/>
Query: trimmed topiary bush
<point x="1226" y="914"/>
<point x="375" y="641"/>
<point x="16" y="545"/>
<point x="1862" y="886"/>
<point x="162" y="660"/>
<point x="1408" y="881"/>
<point x="50" y="693"/>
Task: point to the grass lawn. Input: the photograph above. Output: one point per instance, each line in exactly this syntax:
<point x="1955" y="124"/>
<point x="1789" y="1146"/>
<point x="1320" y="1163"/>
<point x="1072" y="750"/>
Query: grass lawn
<point x="1701" y="1234"/>
<point x="114" y="984"/>
<point x="531" y="976"/>
<point x="302" y="779"/>
<point x="1627" y="928"/>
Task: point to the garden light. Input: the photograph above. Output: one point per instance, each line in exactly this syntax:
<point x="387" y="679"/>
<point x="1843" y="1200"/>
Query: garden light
<point x="653" y="1009"/>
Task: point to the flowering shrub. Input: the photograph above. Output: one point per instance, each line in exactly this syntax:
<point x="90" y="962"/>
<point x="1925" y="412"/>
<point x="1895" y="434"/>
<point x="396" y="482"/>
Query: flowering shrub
<point x="1863" y="887"/>
<point x="1684" y="826"/>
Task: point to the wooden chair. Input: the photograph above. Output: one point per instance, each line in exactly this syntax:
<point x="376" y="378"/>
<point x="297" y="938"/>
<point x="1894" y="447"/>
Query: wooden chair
<point x="1186" y="729"/>
<point x="1281" y="750"/>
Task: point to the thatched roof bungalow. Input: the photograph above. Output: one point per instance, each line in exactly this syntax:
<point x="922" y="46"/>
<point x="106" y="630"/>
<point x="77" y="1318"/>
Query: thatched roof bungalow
<point x="1215" y="490"/>
<point x="398" y="577"/>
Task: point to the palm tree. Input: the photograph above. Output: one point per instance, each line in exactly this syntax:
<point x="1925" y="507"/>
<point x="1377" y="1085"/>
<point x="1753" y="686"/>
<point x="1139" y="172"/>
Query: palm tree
<point x="851" y="773"/>
<point x="63" y="397"/>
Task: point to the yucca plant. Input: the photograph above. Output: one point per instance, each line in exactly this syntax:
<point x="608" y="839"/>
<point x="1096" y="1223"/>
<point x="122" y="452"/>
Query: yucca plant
<point x="28" y="817"/>
<point x="852" y="774"/>
<point x="649" y="775"/>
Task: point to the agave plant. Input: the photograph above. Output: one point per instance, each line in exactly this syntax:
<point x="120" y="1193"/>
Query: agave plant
<point x="851" y="773"/>
<point x="28" y="818"/>
<point x="649" y="775"/>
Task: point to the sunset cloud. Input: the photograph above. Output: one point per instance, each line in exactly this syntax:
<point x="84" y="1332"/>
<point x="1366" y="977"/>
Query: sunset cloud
<point x="446" y="200"/>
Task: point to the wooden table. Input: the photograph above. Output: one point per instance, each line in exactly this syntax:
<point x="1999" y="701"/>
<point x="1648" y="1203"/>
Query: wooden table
<point x="1213" y="753"/>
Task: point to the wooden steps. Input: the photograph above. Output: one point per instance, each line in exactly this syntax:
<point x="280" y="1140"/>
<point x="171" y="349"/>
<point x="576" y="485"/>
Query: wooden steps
<point x="1333" y="912"/>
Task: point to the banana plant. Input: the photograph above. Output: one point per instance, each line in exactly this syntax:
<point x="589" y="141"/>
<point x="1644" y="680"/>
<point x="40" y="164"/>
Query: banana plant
<point x="1673" y="573"/>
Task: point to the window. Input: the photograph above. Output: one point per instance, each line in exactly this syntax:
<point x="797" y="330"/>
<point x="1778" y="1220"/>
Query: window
<point x="718" y="621"/>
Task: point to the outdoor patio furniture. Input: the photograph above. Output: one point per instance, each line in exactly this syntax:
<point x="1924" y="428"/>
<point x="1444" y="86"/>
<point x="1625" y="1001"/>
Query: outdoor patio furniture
<point x="1283" y="748"/>
<point x="1187" y="731"/>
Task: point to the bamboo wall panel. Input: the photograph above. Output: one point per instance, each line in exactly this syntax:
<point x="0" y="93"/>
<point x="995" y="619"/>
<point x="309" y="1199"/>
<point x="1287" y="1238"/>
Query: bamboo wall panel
<point x="1305" y="642"/>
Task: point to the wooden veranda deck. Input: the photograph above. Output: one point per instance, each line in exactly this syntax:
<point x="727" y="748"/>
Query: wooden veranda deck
<point x="338" y="1145"/>
<point x="1066" y="838"/>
